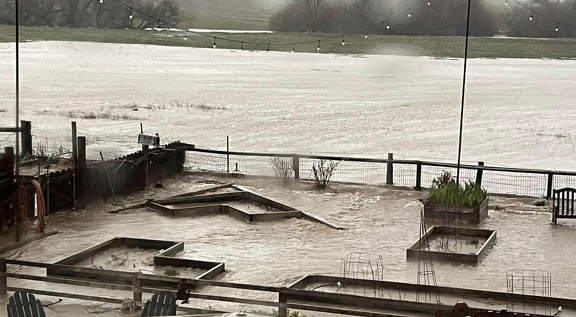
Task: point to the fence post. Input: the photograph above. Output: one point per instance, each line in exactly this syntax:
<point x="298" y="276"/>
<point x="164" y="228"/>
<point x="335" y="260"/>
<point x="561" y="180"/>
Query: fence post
<point x="283" y="305"/>
<point x="227" y="154"/>
<point x="390" y="169"/>
<point x="26" y="128"/>
<point x="549" y="187"/>
<point x="296" y="167"/>
<point x="137" y="283"/>
<point x="3" y="278"/>
<point x="418" y="176"/>
<point x="479" y="173"/>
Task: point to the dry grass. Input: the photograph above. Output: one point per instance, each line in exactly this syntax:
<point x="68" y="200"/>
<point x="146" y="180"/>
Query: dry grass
<point x="77" y="114"/>
<point x="172" y="104"/>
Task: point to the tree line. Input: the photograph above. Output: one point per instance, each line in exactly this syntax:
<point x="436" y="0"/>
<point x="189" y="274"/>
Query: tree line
<point x="440" y="17"/>
<point x="92" y="13"/>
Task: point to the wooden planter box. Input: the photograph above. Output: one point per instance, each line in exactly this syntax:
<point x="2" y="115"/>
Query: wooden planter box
<point x="456" y="213"/>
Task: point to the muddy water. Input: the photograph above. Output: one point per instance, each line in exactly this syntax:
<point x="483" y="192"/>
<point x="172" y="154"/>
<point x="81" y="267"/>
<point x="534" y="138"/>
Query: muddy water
<point x="379" y="221"/>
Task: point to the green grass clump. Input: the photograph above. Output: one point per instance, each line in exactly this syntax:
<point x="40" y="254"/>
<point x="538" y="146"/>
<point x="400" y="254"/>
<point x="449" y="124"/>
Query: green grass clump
<point x="446" y="191"/>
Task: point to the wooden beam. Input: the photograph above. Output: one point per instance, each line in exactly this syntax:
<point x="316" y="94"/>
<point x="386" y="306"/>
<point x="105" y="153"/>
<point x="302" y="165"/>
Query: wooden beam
<point x="66" y="295"/>
<point x="234" y="299"/>
<point x="342" y="311"/>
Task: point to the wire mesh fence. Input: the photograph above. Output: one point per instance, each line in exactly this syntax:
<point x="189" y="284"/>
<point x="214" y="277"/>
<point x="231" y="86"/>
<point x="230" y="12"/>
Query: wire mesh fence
<point x="506" y="181"/>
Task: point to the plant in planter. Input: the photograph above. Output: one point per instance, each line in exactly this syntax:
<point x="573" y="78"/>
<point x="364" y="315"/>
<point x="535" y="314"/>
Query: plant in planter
<point x="450" y="200"/>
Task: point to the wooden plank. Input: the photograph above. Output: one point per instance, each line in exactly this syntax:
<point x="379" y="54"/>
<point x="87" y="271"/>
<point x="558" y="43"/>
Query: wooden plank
<point x="66" y="295"/>
<point x="70" y="268"/>
<point x="69" y="281"/>
<point x="234" y="300"/>
<point x="342" y="311"/>
<point x="87" y="253"/>
<point x="26" y="241"/>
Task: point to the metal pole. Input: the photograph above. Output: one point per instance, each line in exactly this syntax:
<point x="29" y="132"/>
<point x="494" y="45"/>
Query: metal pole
<point x="463" y="93"/>
<point x="17" y="40"/>
<point x="227" y="154"/>
<point x="74" y="161"/>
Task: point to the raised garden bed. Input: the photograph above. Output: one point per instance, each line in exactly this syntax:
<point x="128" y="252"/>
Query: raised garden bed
<point x="456" y="213"/>
<point x="156" y="257"/>
<point x="453" y="244"/>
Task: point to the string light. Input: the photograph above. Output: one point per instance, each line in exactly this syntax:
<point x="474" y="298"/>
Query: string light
<point x="101" y="1"/>
<point x="428" y="3"/>
<point x="130" y="16"/>
<point x="387" y="27"/>
<point x="532" y="16"/>
<point x="214" y="45"/>
<point x="343" y="40"/>
<point x="409" y="15"/>
<point x="506" y="3"/>
<point x="366" y="35"/>
<point x="318" y="47"/>
<point x="557" y="28"/>
<point x="185" y="37"/>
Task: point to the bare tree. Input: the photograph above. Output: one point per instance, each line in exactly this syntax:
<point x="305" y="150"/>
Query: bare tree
<point x="313" y="9"/>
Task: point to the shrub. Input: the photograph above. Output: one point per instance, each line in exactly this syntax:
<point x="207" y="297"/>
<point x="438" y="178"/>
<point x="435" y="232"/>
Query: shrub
<point x="540" y="203"/>
<point x="446" y="191"/>
<point x="171" y="272"/>
<point x="323" y="171"/>
<point x="282" y="167"/>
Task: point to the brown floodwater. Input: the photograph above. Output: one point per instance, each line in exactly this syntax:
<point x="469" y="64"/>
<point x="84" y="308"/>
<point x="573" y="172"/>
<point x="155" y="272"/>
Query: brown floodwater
<point x="378" y="221"/>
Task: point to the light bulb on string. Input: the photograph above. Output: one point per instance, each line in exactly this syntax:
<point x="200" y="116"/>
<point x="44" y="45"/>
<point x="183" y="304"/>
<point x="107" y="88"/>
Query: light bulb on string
<point x="532" y="16"/>
<point x="130" y="15"/>
<point x="318" y="47"/>
<point x="428" y="3"/>
<point x="343" y="40"/>
<point x="293" y="47"/>
<point x="409" y="15"/>
<point x="101" y="1"/>
<point x="185" y="37"/>
<point x="214" y="45"/>
<point x="506" y="2"/>
<point x="387" y="27"/>
<point x="366" y="35"/>
<point x="557" y="28"/>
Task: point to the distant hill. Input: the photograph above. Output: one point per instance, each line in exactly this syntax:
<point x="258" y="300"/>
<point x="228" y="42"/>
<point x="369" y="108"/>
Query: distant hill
<point x="228" y="14"/>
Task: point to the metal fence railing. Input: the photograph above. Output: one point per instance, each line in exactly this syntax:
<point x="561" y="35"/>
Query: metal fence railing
<point x="407" y="173"/>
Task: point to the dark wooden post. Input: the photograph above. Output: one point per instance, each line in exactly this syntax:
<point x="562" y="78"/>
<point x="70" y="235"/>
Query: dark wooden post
<point x="26" y="128"/>
<point x="145" y="151"/>
<point x="418" y="176"/>
<point x="479" y="173"/>
<point x="3" y="279"/>
<point x="549" y="187"/>
<point x="74" y="145"/>
<point x="390" y="169"/>
<point x="137" y="284"/>
<point x="81" y="184"/>
<point x="283" y="305"/>
<point x="296" y="167"/>
<point x="228" y="154"/>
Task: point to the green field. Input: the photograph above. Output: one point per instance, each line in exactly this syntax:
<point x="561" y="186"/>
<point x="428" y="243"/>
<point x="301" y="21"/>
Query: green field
<point x="437" y="46"/>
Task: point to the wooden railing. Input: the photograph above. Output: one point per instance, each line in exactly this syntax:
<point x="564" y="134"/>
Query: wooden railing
<point x="288" y="298"/>
<point x="416" y="174"/>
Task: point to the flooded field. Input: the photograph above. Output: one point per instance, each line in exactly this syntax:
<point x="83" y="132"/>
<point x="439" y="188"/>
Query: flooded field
<point x="361" y="105"/>
<point x="378" y="221"/>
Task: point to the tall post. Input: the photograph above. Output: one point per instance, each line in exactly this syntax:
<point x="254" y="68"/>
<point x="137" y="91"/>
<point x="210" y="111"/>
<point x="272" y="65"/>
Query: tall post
<point x="137" y="284"/>
<point x="296" y="167"/>
<point x="390" y="169"/>
<point x="463" y="93"/>
<point x="479" y="173"/>
<point x="550" y="184"/>
<point x="3" y="279"/>
<point x="418" y="176"/>
<point x="74" y="161"/>
<point x="227" y="154"/>
<point x="283" y="305"/>
<point x="82" y="171"/>
<point x="17" y="48"/>
<point x="26" y="137"/>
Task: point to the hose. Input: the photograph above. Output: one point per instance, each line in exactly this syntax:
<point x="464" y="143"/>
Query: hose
<point x="41" y="205"/>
